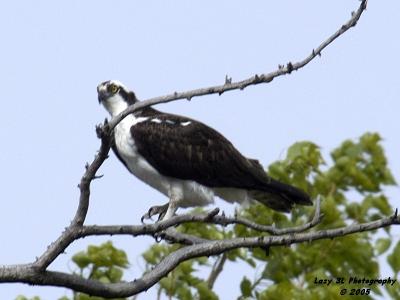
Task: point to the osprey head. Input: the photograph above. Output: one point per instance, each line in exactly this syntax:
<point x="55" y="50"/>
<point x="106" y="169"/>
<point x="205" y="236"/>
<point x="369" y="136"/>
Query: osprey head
<point x="115" y="96"/>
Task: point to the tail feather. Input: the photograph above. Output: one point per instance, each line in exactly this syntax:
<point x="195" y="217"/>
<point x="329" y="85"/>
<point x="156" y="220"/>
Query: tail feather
<point x="281" y="196"/>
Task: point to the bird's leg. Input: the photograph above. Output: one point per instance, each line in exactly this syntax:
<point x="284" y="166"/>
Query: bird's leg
<point x="175" y="196"/>
<point x="159" y="210"/>
<point x="172" y="207"/>
<point x="167" y="210"/>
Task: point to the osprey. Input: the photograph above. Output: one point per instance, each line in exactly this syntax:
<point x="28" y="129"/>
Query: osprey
<point x="188" y="161"/>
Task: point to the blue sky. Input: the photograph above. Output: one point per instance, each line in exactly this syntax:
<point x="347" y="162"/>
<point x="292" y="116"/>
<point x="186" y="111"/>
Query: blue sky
<point x="54" y="53"/>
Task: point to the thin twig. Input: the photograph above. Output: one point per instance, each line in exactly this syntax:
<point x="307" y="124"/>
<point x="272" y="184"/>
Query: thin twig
<point x="216" y="270"/>
<point x="70" y="233"/>
<point x="256" y="79"/>
<point x="223" y="220"/>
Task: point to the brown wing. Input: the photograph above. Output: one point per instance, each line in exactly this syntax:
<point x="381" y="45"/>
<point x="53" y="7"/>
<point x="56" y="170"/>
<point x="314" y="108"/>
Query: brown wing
<point x="195" y="152"/>
<point x="187" y="149"/>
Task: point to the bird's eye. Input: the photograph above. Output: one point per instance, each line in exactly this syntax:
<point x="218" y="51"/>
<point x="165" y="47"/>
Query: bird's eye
<point x="113" y="88"/>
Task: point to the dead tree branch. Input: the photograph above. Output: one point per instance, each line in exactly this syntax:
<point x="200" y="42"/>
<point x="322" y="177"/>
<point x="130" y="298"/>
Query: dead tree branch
<point x="256" y="79"/>
<point x="207" y="217"/>
<point x="69" y="234"/>
<point x="29" y="274"/>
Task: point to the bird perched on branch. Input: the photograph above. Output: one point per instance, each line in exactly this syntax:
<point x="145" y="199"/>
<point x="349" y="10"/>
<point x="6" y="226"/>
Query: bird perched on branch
<point x="188" y="161"/>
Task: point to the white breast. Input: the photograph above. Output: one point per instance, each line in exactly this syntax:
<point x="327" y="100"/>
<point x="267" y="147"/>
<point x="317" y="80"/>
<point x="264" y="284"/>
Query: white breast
<point x="189" y="192"/>
<point x="135" y="162"/>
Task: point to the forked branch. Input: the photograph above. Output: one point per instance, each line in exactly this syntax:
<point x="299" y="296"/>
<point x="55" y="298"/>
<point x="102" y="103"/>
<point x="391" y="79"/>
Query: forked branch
<point x="28" y="274"/>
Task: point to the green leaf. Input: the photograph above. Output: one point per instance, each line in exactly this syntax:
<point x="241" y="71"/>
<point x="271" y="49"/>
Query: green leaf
<point x="81" y="296"/>
<point x="205" y="293"/>
<point x="245" y="287"/>
<point x="393" y="291"/>
<point x="187" y="267"/>
<point x="115" y="274"/>
<point x="81" y="259"/>
<point x="21" y="297"/>
<point x="184" y="293"/>
<point x="150" y="257"/>
<point x="251" y="262"/>
<point x="382" y="245"/>
<point x="394" y="258"/>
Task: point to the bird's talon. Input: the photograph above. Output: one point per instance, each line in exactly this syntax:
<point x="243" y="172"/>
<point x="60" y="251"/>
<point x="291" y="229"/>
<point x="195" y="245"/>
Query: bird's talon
<point x="159" y="236"/>
<point x="155" y="210"/>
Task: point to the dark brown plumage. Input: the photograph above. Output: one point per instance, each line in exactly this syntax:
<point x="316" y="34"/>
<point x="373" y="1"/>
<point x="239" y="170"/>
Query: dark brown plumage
<point x="198" y="152"/>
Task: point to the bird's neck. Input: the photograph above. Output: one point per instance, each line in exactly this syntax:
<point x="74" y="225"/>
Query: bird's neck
<point x="115" y="105"/>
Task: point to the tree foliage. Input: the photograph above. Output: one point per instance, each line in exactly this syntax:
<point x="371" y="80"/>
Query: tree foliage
<point x="351" y="189"/>
<point x="351" y="186"/>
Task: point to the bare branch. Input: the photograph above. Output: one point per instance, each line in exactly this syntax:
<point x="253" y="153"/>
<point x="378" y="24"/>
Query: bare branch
<point x="146" y="229"/>
<point x="70" y="233"/>
<point x="223" y="220"/>
<point x="174" y="236"/>
<point x="256" y="79"/>
<point x="208" y="217"/>
<point x="28" y="274"/>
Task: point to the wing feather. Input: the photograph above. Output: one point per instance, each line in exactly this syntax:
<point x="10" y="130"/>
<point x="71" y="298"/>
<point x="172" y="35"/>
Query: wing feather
<point x="197" y="152"/>
<point x="194" y="152"/>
